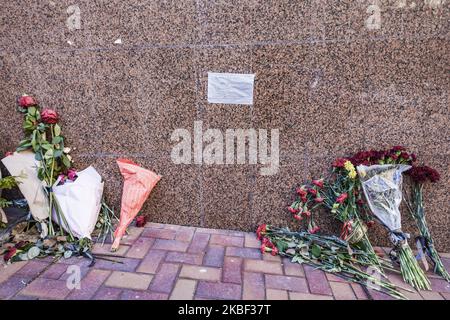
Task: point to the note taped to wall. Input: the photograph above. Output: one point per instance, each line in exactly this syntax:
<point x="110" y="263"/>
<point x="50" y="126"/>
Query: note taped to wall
<point x="230" y="88"/>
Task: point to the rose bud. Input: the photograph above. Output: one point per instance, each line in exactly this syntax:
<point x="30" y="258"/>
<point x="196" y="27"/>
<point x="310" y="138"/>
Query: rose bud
<point x="141" y="221"/>
<point x="9" y="254"/>
<point x="26" y="101"/>
<point x="312" y="191"/>
<point x="297" y="217"/>
<point x="72" y="174"/>
<point x="49" y="116"/>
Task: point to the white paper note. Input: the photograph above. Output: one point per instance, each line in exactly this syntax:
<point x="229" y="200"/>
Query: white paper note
<point x="230" y="88"/>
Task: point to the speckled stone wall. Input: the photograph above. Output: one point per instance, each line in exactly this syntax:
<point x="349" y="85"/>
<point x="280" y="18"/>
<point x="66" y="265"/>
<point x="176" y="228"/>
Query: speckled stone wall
<point x="330" y="75"/>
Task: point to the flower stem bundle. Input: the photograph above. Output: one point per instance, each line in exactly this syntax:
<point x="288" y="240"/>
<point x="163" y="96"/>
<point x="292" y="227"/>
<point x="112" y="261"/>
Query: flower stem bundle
<point x="419" y="175"/>
<point x="327" y="253"/>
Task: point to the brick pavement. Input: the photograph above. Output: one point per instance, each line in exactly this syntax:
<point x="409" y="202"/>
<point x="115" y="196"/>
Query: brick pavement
<point x="175" y="262"/>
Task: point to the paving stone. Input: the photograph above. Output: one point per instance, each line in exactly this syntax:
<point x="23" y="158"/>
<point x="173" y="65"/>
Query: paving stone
<point x="286" y="283"/>
<point x="317" y="281"/>
<point x="200" y="273"/>
<point x="174" y="227"/>
<point x="24" y="297"/>
<point x="151" y="261"/>
<point x="108" y="293"/>
<point x="377" y="295"/>
<point x="184" y="290"/>
<point x="142" y="295"/>
<point x="133" y="234"/>
<point x="55" y="271"/>
<point x="308" y="296"/>
<point x="128" y="264"/>
<point x="226" y="241"/>
<point x="105" y="249"/>
<point x="140" y="248"/>
<point x="359" y="291"/>
<point x="89" y="285"/>
<point x="214" y="256"/>
<point x="8" y="270"/>
<point x="33" y="268"/>
<point x="211" y="231"/>
<point x="431" y="295"/>
<point x="46" y="288"/>
<point x="154" y="225"/>
<point x="251" y="241"/>
<point x="270" y="267"/>
<point x="13" y="285"/>
<point x="440" y="285"/>
<point x="268" y="257"/>
<point x="185" y="234"/>
<point x="342" y="291"/>
<point x="232" y="269"/>
<point x="199" y="243"/>
<point x="128" y="280"/>
<point x="332" y="277"/>
<point x="249" y="253"/>
<point x="274" y="294"/>
<point x="159" y="233"/>
<point x="445" y="295"/>
<point x="170" y="245"/>
<point x="253" y="286"/>
<point x="217" y="290"/>
<point x="164" y="280"/>
<point x="292" y="269"/>
<point x="182" y="257"/>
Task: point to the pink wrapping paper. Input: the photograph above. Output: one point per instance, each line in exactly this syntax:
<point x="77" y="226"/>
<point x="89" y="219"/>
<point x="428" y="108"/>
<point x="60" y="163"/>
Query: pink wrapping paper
<point x="138" y="183"/>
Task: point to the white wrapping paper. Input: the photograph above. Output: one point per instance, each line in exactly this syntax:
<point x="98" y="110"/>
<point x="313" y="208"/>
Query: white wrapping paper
<point x="23" y="163"/>
<point x="80" y="201"/>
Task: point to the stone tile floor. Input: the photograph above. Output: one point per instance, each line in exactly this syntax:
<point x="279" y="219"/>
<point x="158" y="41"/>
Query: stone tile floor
<point x="176" y="262"/>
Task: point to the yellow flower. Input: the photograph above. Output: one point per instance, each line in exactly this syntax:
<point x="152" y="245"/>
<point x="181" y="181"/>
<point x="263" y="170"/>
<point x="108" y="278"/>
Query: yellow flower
<point x="351" y="169"/>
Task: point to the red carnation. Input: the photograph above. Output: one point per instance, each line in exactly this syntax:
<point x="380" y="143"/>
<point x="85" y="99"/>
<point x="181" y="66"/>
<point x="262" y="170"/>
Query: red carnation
<point x="141" y="221"/>
<point x="318" y="183"/>
<point x="49" y="116"/>
<point x="398" y="148"/>
<point x="423" y="173"/>
<point x="26" y="101"/>
<point x="292" y="210"/>
<point x="342" y="197"/>
<point x="301" y="191"/>
<point x="339" y="163"/>
<point x="318" y="199"/>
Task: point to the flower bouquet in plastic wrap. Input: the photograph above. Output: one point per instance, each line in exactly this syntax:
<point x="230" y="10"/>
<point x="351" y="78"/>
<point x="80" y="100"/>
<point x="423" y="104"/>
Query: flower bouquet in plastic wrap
<point x="382" y="185"/>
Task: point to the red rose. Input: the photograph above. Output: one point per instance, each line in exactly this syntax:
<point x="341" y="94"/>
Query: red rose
<point x="342" y="197"/>
<point x="297" y="217"/>
<point x="263" y="248"/>
<point x="370" y="223"/>
<point x="313" y="191"/>
<point x="307" y="213"/>
<point x="26" y="101"/>
<point x="9" y="254"/>
<point x="49" y="116"/>
<point x="141" y="221"/>
<point x="9" y="153"/>
<point x="274" y="252"/>
<point x="339" y="163"/>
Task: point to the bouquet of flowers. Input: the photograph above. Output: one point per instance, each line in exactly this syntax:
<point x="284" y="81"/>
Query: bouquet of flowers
<point x="382" y="188"/>
<point x="419" y="176"/>
<point x="327" y="253"/>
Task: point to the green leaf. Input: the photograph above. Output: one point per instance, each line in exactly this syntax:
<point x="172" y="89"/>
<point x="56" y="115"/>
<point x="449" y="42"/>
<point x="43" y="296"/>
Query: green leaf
<point x="38" y="156"/>
<point x="48" y="154"/>
<point x="57" y="130"/>
<point x="316" y="251"/>
<point x="57" y="140"/>
<point x="57" y="153"/>
<point x="66" y="161"/>
<point x="32" y="111"/>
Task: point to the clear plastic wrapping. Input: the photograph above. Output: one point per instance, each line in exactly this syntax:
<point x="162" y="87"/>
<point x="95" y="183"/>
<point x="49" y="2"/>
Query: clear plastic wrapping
<point x="382" y="185"/>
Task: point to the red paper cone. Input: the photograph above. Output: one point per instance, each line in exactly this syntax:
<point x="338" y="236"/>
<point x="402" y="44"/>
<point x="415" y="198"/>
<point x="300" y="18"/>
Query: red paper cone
<point x="138" y="183"/>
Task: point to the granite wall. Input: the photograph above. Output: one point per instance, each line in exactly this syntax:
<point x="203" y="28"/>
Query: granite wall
<point x="334" y="76"/>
